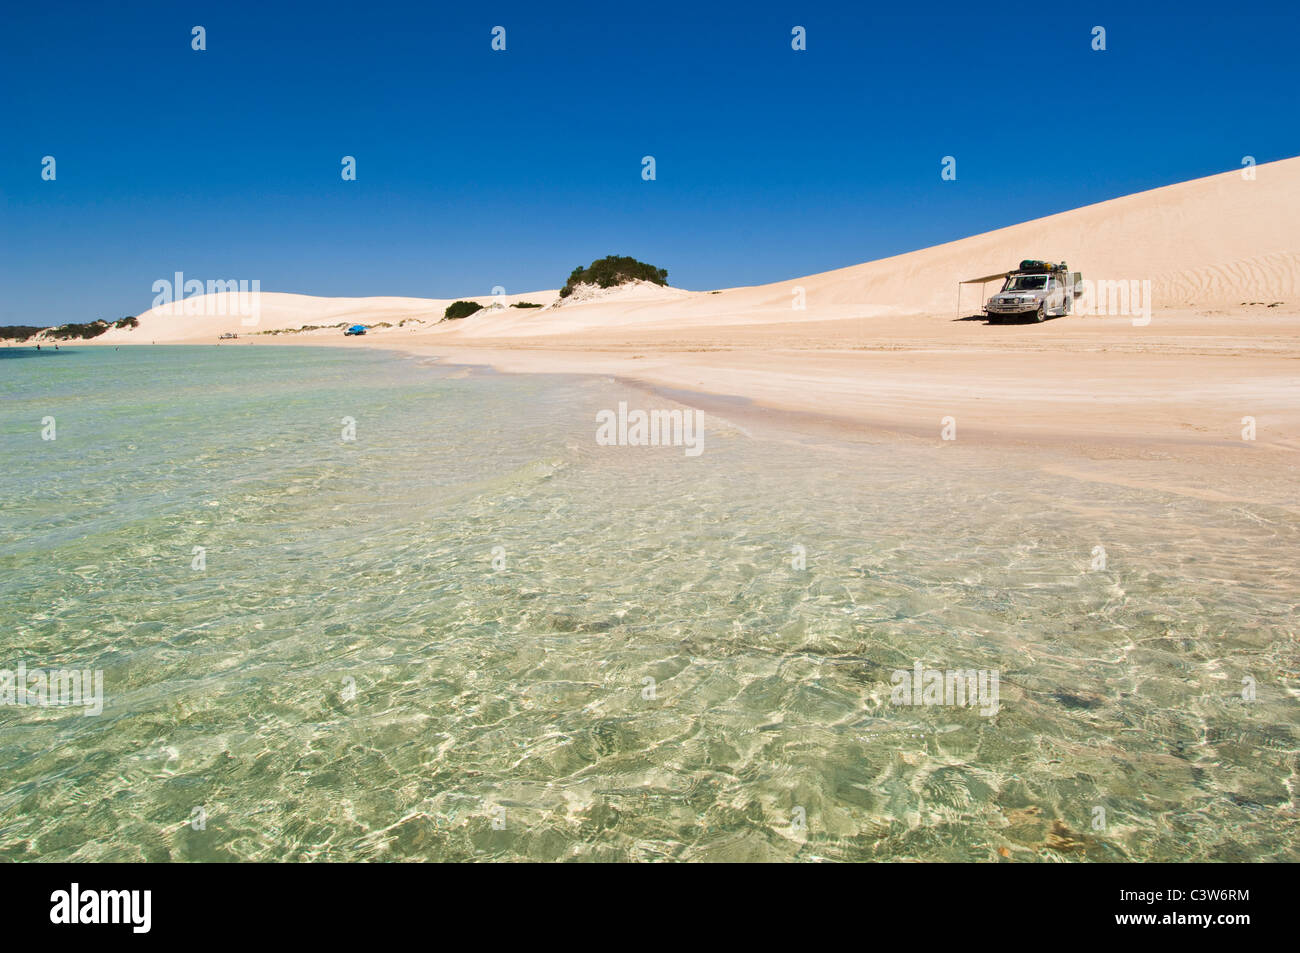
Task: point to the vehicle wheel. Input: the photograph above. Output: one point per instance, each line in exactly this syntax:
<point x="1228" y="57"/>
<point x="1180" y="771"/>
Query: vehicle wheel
<point x="1041" y="313"/>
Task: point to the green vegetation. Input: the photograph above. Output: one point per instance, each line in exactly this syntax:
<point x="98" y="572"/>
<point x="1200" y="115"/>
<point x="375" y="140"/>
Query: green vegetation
<point x="65" y="332"/>
<point x="525" y="304"/>
<point x="306" y="327"/>
<point x="461" y="309"/>
<point x="614" y="270"/>
<point x="18" y="332"/>
<point x="78" y="332"/>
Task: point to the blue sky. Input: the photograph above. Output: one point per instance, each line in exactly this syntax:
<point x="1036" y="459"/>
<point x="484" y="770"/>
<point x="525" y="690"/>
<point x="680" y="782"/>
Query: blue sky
<point x="477" y="168"/>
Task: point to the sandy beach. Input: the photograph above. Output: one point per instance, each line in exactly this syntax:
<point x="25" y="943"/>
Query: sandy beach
<point x="1099" y="533"/>
<point x="530" y="434"/>
<point x="1209" y="343"/>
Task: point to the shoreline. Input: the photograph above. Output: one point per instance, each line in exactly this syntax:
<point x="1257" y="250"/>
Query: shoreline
<point x="1188" y="464"/>
<point x="1097" y="399"/>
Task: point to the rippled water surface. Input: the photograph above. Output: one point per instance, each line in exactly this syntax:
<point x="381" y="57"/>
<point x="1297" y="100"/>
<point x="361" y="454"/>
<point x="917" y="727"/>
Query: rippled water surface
<point x="650" y="676"/>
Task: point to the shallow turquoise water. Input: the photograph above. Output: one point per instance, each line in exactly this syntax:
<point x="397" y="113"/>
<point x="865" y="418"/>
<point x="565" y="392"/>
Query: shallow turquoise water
<point x="350" y="678"/>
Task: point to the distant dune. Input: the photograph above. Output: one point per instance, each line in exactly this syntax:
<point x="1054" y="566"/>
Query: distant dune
<point x="1220" y="240"/>
<point x="203" y="318"/>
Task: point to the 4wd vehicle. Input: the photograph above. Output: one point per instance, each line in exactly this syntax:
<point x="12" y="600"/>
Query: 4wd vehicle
<point x="1037" y="289"/>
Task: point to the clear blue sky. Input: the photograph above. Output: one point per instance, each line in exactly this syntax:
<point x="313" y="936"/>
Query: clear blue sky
<point x="477" y="168"/>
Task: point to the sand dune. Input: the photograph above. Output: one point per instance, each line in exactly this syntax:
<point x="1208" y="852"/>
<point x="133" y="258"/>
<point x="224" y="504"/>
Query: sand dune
<point x="1220" y="240"/>
<point x="203" y="318"/>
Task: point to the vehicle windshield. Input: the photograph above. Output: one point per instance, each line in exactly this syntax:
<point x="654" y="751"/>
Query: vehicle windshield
<point x="1026" y="283"/>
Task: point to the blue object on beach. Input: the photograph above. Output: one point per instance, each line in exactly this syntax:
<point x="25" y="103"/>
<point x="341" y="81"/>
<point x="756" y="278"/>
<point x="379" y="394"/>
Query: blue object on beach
<point x="355" y="329"/>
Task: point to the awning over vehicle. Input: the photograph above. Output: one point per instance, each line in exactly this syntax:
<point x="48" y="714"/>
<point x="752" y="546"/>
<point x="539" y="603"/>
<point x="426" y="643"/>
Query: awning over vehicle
<point x="980" y="281"/>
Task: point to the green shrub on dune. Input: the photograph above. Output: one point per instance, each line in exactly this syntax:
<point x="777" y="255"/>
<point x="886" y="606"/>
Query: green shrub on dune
<point x="77" y="332"/>
<point x="19" y="332"/>
<point x="461" y="309"/>
<point x="614" y="270"/>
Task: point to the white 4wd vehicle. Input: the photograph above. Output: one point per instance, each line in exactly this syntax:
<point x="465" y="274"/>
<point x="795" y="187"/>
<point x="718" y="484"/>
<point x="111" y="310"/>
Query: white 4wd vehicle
<point x="1037" y="289"/>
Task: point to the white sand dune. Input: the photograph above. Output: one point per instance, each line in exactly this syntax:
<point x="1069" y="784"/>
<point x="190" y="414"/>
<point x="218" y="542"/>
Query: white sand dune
<point x="203" y="318"/>
<point x="1220" y="240"/>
